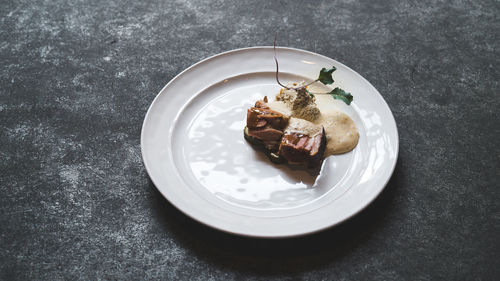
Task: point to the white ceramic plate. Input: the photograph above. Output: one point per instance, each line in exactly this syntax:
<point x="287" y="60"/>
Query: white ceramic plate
<point x="194" y="151"/>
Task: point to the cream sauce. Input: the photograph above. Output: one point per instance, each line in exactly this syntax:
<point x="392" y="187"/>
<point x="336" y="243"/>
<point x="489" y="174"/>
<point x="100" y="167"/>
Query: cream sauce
<point x="301" y="126"/>
<point x="281" y="107"/>
<point x="341" y="133"/>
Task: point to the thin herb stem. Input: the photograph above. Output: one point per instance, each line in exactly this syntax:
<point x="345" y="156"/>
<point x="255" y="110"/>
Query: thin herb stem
<point x="277" y="69"/>
<point x="309" y="83"/>
<point x="336" y="93"/>
<point x="276" y="60"/>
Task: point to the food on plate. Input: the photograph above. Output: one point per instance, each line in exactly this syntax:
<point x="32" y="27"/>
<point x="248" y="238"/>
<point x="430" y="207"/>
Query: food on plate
<point x="301" y="126"/>
<point x="286" y="138"/>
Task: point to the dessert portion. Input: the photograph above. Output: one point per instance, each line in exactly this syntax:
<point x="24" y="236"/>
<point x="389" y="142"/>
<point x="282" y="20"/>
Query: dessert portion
<point x="294" y="128"/>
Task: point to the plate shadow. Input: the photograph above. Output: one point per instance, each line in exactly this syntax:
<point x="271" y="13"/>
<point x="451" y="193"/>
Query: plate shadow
<point x="278" y="256"/>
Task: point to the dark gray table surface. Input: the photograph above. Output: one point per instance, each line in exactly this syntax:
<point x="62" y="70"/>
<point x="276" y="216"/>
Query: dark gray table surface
<point x="77" y="77"/>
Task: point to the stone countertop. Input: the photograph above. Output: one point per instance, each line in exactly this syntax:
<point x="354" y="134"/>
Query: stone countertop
<point x="77" y="77"/>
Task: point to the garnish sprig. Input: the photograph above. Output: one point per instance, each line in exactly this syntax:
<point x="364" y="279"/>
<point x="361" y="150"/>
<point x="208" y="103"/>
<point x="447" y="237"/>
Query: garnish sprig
<point x="325" y="77"/>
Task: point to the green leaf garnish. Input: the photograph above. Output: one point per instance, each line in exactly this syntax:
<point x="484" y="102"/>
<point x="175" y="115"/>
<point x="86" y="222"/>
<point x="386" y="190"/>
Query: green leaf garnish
<point x="340" y="94"/>
<point x="325" y="75"/>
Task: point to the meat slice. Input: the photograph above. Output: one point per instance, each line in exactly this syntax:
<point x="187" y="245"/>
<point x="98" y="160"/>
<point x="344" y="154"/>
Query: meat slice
<point x="254" y="119"/>
<point x="258" y="117"/>
<point x="265" y="134"/>
<point x="297" y="148"/>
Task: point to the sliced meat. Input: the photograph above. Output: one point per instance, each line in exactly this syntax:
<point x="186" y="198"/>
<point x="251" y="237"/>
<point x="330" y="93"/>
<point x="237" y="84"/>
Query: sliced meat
<point x="298" y="148"/>
<point x="265" y="134"/>
<point x="254" y="120"/>
<point x="277" y="122"/>
<point x="260" y="116"/>
<point x="292" y="147"/>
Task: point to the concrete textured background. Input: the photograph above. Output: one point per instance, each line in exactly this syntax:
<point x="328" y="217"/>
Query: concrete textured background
<point x="76" y="79"/>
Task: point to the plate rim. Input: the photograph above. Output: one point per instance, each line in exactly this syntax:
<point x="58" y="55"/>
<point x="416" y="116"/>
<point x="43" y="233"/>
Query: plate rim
<point x="253" y="235"/>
